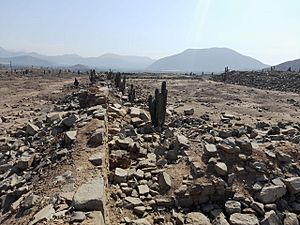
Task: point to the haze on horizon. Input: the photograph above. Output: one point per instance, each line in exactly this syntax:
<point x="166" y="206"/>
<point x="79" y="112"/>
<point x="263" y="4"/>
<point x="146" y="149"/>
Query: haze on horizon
<point x="266" y="30"/>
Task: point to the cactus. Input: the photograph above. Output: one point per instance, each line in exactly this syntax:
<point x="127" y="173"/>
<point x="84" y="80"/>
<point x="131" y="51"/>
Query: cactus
<point x="131" y="94"/>
<point x="76" y="82"/>
<point x="92" y="76"/>
<point x="158" y="106"/>
<point x="226" y="69"/>
<point x="120" y="83"/>
<point x="109" y="75"/>
<point x="123" y="85"/>
<point x="118" y="80"/>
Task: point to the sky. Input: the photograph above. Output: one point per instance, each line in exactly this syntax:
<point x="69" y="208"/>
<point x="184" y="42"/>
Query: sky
<point x="267" y="30"/>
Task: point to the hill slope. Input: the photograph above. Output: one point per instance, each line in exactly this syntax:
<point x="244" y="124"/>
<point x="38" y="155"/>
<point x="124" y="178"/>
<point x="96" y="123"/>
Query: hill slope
<point x="294" y="64"/>
<point x="206" y="60"/>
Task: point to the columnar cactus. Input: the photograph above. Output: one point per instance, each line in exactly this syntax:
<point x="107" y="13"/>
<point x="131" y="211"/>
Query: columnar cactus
<point x="158" y="106"/>
<point x="76" y="82"/>
<point x="131" y="94"/>
<point x="123" y="85"/>
<point x="226" y="69"/>
<point x="118" y="80"/>
<point x="92" y="76"/>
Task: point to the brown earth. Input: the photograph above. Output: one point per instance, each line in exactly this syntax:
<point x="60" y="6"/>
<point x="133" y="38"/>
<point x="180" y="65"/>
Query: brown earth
<point x="26" y="98"/>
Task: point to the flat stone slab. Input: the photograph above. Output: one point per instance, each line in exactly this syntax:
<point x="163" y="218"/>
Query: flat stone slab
<point x="90" y="196"/>
<point x="45" y="214"/>
<point x="243" y="219"/>
<point x="131" y="202"/>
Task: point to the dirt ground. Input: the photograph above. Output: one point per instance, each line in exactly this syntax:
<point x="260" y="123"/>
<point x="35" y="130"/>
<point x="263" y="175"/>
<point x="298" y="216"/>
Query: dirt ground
<point x="26" y="98"/>
<point x="205" y="96"/>
<point x="23" y="99"/>
<point x="21" y="96"/>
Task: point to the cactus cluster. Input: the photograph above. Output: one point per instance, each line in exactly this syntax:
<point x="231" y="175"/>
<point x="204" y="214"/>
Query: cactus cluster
<point x="131" y="94"/>
<point x="158" y="106"/>
<point x="226" y="69"/>
<point x="120" y="83"/>
<point x="92" y="76"/>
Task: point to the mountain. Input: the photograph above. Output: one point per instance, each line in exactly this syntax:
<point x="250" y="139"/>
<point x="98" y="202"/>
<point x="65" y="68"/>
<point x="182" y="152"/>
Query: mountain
<point x="25" y="61"/>
<point x="106" y="61"/>
<point x="294" y="64"/>
<point x="5" y="53"/>
<point x="113" y="61"/>
<point x="206" y="60"/>
<point x="191" y="60"/>
<point x="79" y="67"/>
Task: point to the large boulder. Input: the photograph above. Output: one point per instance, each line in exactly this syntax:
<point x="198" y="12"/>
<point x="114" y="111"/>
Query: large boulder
<point x="293" y="185"/>
<point x="182" y="141"/>
<point x="221" y="168"/>
<point x="291" y="219"/>
<point x="271" y="219"/>
<point x="54" y="117"/>
<point x="70" y="137"/>
<point x="243" y="219"/>
<point x="134" y="112"/>
<point x="131" y="202"/>
<point x="270" y="194"/>
<point x="97" y="138"/>
<point x="197" y="218"/>
<point x="31" y="129"/>
<point x="90" y="196"/>
<point x="164" y="181"/>
<point x="120" y="175"/>
<point x="25" y="161"/>
<point x="220" y="220"/>
<point x="210" y="149"/>
<point x="70" y="120"/>
<point x="188" y="112"/>
<point x="45" y="214"/>
<point x="233" y="207"/>
<point x="96" y="217"/>
<point x="97" y="159"/>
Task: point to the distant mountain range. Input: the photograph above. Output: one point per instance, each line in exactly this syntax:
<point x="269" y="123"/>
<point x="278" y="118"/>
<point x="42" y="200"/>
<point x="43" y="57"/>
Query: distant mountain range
<point x="294" y="65"/>
<point x="106" y="61"/>
<point x="207" y="60"/>
<point x="190" y="60"/>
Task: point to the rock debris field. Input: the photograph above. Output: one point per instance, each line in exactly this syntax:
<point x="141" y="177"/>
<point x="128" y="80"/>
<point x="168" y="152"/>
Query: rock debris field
<point x="88" y="154"/>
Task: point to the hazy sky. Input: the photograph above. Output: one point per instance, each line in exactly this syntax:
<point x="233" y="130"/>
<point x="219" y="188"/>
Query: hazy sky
<point x="265" y="29"/>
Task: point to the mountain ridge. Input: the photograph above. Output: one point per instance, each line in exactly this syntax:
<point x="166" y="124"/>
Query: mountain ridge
<point x="190" y="60"/>
<point x="105" y="61"/>
<point x="206" y="60"/>
<point x="293" y="64"/>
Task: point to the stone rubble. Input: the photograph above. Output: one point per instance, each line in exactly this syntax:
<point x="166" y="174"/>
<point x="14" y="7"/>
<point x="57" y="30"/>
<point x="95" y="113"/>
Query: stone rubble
<point x="193" y="171"/>
<point x="225" y="157"/>
<point x="29" y="153"/>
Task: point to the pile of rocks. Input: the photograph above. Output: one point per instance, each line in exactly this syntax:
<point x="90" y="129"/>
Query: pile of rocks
<point x="28" y="155"/>
<point x="279" y="81"/>
<point x="237" y="173"/>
